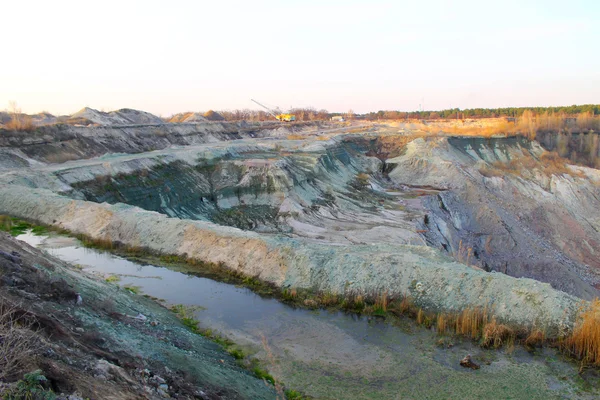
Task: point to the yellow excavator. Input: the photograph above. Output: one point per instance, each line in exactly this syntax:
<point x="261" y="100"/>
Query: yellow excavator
<point x="280" y="116"/>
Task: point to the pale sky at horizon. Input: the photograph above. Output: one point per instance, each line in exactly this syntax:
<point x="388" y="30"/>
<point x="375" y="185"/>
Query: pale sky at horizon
<point x="168" y="57"/>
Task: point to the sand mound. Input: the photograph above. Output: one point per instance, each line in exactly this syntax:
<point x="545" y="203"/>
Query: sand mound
<point x="125" y="116"/>
<point x="188" y="117"/>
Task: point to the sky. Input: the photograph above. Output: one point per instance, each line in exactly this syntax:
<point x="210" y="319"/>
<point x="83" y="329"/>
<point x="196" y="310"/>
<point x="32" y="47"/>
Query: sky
<point x="167" y="57"/>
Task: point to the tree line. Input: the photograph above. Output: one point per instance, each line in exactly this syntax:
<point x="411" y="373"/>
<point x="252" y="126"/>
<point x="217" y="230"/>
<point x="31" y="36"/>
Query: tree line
<point x="312" y="114"/>
<point x="457" y="113"/>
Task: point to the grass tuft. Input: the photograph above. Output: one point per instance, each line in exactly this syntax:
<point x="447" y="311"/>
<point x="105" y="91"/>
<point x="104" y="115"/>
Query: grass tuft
<point x="264" y="375"/>
<point x="535" y="338"/>
<point x="584" y="341"/>
<point x="496" y="335"/>
<point x="381" y="304"/>
<point x="113" y="279"/>
<point x="133" y="289"/>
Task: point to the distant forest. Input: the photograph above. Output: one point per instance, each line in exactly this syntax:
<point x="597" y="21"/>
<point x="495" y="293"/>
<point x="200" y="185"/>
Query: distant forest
<point x="482" y="112"/>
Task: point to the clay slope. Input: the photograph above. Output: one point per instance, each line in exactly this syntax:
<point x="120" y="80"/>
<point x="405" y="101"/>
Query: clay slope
<point x="506" y="208"/>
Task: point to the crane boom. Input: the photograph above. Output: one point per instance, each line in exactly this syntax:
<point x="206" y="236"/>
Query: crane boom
<point x="277" y="114"/>
<point x="273" y="113"/>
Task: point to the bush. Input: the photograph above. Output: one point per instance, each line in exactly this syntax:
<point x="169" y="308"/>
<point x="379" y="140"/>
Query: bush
<point x="31" y="387"/>
<point x="18" y="342"/>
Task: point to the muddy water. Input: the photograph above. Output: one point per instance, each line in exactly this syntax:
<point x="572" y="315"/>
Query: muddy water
<point x="336" y="355"/>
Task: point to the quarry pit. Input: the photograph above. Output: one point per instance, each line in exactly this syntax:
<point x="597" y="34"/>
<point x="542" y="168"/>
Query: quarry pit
<point x="452" y="223"/>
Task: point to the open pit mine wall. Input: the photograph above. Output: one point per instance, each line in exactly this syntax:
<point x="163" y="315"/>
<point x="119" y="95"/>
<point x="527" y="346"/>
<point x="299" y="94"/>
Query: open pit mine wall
<point x="524" y="222"/>
<point x="257" y="179"/>
<point x="60" y="143"/>
<point x="433" y="280"/>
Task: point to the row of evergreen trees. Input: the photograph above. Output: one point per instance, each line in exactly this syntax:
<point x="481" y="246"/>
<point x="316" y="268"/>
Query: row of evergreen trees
<point x="593" y="109"/>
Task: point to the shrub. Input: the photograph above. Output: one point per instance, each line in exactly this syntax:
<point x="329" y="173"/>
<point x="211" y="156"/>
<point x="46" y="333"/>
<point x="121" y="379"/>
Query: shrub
<point x="23" y="123"/>
<point x="18" y="342"/>
<point x="31" y="387"/>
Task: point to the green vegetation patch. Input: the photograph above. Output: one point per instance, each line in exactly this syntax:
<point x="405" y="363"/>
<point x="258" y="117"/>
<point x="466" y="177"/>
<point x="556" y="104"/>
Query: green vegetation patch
<point x="32" y="386"/>
<point x="16" y="226"/>
<point x="133" y="289"/>
<point x="113" y="279"/>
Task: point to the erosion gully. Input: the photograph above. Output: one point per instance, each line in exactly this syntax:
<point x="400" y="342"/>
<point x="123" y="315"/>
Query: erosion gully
<point x="334" y="355"/>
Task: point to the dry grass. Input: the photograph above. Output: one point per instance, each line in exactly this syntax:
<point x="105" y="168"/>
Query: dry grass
<point x="549" y="163"/>
<point x="296" y="137"/>
<point x="554" y="164"/>
<point x="491" y="172"/>
<point x="328" y="299"/>
<point x="528" y="125"/>
<point x="19" y="342"/>
<point x="381" y="303"/>
<point x="492" y="128"/>
<point x="535" y="338"/>
<point x="470" y="322"/>
<point x="496" y="335"/>
<point x="442" y="323"/>
<point x="584" y="342"/>
<point x="478" y="324"/>
<point x="22" y="123"/>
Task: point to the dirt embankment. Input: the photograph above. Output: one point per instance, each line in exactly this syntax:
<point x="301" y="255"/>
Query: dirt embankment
<point x="60" y="143"/>
<point x="435" y="281"/>
<point x="99" y="341"/>
<point x="505" y="208"/>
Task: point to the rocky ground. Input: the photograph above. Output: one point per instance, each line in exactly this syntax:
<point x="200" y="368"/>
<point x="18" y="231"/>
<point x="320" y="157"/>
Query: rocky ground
<point x="91" y="339"/>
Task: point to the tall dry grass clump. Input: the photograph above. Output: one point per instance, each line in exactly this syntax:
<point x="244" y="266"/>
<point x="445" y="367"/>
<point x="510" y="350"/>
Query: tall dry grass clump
<point x="442" y="323"/>
<point x="470" y="322"/>
<point x="23" y="123"/>
<point x="19" y="343"/>
<point x="381" y="303"/>
<point x="584" y="342"/>
<point x="496" y="335"/>
<point x="18" y="120"/>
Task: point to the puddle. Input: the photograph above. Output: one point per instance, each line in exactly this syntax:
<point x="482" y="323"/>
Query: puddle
<point x="337" y="355"/>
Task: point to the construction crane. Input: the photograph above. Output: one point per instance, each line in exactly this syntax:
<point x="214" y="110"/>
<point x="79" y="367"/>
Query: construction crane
<point x="283" y="117"/>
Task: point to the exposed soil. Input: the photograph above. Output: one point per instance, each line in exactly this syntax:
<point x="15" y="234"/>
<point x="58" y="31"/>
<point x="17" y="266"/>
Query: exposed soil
<point x="114" y="344"/>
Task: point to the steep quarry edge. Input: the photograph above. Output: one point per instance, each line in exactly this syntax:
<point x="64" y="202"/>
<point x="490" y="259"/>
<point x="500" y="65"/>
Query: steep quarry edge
<point x="433" y="280"/>
<point x="61" y="143"/>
